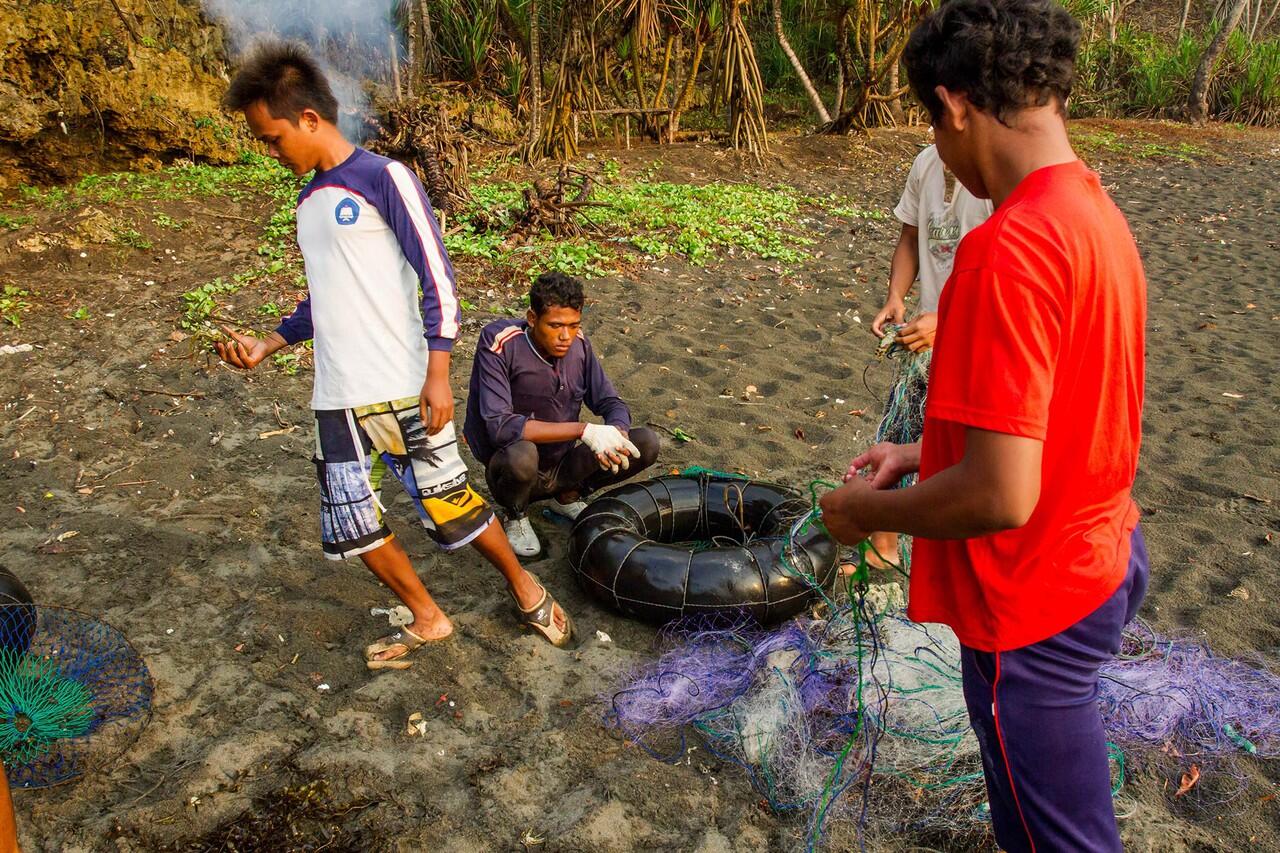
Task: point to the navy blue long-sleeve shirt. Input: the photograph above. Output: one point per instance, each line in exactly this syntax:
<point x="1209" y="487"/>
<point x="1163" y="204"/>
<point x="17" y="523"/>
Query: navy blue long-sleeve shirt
<point x="512" y="382"/>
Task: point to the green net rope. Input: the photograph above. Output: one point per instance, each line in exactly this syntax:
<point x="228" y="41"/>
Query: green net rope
<point x="38" y="705"/>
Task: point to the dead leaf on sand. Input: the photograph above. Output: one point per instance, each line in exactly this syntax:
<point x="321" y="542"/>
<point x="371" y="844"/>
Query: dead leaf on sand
<point x="1189" y="780"/>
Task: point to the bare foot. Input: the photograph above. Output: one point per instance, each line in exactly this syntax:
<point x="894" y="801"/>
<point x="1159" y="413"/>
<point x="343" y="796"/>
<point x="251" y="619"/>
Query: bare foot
<point x="432" y="630"/>
<point x="882" y="546"/>
<point x="883" y="550"/>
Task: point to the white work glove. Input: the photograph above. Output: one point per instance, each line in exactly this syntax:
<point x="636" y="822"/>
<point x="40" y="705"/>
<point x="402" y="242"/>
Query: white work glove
<point x="610" y="446"/>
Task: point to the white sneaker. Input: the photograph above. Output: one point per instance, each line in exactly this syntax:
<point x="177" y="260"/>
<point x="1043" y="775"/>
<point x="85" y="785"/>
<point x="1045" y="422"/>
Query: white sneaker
<point x="522" y="538"/>
<point x="570" y="510"/>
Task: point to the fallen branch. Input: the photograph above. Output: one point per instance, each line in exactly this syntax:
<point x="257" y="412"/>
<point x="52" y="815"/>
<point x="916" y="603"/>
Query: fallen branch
<point x="199" y="395"/>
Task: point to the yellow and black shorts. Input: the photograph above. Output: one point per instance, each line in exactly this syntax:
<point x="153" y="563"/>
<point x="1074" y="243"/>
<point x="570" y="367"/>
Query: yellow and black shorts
<point x="355" y="448"/>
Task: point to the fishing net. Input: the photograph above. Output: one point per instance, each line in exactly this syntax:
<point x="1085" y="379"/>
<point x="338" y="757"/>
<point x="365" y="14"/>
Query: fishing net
<point x="903" y="418"/>
<point x="856" y="714"/>
<point x="73" y="694"/>
<point x="812" y="710"/>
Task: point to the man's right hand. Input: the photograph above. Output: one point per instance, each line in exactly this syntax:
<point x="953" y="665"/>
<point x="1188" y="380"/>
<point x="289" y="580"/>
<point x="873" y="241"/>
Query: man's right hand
<point x="894" y="311"/>
<point x="247" y="352"/>
<point x="887" y="463"/>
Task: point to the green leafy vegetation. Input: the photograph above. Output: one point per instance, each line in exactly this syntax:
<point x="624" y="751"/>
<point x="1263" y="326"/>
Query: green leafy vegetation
<point x="81" y="313"/>
<point x="13" y="303"/>
<point x="288" y="362"/>
<point x="164" y="220"/>
<point x="1148" y="75"/>
<point x="645" y="217"/>
<point x="254" y="175"/>
<point x="130" y="237"/>
<point x="13" y="223"/>
<point x="1136" y="144"/>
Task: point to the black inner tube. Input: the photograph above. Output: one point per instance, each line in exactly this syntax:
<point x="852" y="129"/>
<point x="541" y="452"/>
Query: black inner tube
<point x="674" y="546"/>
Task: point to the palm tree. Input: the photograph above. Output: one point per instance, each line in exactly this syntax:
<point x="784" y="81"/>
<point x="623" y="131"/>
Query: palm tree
<point x="1198" y="101"/>
<point x="738" y="82"/>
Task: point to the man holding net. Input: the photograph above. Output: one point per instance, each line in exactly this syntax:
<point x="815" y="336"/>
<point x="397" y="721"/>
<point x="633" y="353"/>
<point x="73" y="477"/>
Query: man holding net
<point x="1027" y="540"/>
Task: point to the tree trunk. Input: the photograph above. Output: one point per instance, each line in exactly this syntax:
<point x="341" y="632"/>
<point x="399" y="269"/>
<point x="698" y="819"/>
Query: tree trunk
<point x="430" y="56"/>
<point x="895" y="106"/>
<point x="411" y="41"/>
<point x="1186" y="13"/>
<point x="660" y="92"/>
<point x="814" y="98"/>
<point x="700" y="36"/>
<point x="393" y="55"/>
<point x="842" y="57"/>
<point x="1198" y="102"/>
<point x="535" y="74"/>
<point x="637" y="74"/>
<point x="839" y="99"/>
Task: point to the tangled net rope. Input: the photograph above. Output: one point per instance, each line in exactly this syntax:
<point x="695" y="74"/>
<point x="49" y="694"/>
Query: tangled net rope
<point x="859" y="713"/>
<point x="74" y="694"/>
<point x="903" y="419"/>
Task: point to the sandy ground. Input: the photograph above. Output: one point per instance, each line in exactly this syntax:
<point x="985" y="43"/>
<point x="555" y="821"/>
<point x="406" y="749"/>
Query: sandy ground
<point x="208" y="561"/>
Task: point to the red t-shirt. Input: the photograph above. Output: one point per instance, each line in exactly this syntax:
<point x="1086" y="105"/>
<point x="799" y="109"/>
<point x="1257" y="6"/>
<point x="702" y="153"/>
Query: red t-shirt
<point x="1040" y="335"/>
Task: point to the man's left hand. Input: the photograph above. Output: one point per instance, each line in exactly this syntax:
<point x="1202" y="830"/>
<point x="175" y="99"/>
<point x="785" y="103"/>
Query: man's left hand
<point x="841" y="510"/>
<point x="918" y="335"/>
<point x="435" y="403"/>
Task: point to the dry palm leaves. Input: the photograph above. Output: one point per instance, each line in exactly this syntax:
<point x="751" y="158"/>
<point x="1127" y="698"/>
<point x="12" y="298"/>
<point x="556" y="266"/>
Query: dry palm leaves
<point x="422" y="134"/>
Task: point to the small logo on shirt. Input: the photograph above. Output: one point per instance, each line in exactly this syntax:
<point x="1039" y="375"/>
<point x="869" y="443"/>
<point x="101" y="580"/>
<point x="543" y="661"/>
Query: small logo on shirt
<point x="347" y="212"/>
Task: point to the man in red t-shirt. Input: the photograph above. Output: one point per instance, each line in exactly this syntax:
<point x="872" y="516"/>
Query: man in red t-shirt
<point x="1027" y="542"/>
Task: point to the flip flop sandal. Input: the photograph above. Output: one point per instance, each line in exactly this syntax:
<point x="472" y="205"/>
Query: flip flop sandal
<point x="541" y="617"/>
<point x="405" y="639"/>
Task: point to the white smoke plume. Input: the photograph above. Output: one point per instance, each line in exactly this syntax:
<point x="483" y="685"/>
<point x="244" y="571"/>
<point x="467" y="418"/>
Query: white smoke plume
<point x="351" y="38"/>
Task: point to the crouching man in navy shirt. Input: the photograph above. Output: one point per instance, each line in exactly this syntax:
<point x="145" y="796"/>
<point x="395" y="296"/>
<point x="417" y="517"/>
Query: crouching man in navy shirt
<point x="528" y="383"/>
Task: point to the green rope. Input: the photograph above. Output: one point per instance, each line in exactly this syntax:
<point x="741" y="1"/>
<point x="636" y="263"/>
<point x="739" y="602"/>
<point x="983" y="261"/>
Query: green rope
<point x="1118" y="757"/>
<point x="1239" y="739"/>
<point x="693" y="472"/>
<point x="38" y="705"/>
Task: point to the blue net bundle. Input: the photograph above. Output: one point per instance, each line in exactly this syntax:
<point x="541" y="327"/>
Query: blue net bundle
<point x="74" y="694"/>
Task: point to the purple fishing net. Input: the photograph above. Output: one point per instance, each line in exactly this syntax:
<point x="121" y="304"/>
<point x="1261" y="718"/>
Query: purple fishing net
<point x="816" y="710"/>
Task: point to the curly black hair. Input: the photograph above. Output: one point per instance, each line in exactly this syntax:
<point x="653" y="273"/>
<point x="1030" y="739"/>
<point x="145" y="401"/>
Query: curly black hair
<point x="1005" y="55"/>
<point x="285" y="77"/>
<point x="555" y="290"/>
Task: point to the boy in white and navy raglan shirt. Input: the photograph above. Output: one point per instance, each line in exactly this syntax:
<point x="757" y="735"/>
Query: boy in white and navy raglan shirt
<point x="382" y="399"/>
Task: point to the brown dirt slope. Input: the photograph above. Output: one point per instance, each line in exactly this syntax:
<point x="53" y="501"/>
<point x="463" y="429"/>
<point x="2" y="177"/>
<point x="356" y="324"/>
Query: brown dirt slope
<point x="86" y="90"/>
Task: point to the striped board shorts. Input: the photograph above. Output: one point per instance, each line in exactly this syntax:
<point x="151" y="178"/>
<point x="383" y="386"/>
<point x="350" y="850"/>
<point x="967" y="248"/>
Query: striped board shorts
<point x="355" y="448"/>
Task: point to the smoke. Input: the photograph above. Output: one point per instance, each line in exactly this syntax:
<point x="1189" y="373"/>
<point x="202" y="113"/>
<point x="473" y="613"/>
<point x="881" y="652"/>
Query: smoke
<point x="351" y="38"/>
